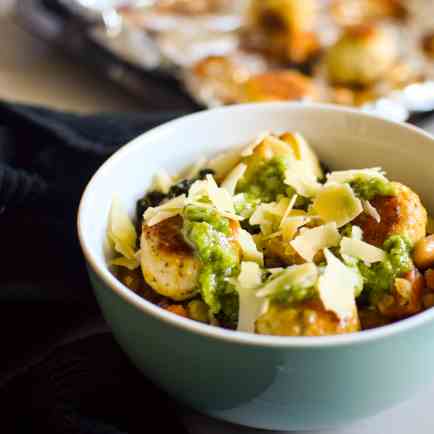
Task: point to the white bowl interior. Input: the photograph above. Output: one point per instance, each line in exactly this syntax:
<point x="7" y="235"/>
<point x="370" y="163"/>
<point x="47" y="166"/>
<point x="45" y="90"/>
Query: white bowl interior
<point x="343" y="138"/>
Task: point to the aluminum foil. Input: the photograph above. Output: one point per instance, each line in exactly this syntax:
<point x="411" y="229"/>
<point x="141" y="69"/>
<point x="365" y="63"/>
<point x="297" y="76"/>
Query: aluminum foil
<point x="201" y="43"/>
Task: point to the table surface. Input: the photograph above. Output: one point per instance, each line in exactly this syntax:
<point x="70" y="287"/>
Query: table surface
<point x="32" y="72"/>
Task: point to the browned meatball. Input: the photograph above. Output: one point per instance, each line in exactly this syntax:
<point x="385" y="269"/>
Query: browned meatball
<point x="168" y="263"/>
<point x="406" y="297"/>
<point x="401" y="214"/>
<point x="304" y="319"/>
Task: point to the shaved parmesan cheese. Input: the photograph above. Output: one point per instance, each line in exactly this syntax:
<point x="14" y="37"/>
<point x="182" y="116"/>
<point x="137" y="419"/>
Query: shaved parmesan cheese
<point x="291" y="225"/>
<point x="122" y="261"/>
<point x="337" y="203"/>
<point x="361" y="250"/>
<point x="277" y="147"/>
<point x="219" y="196"/>
<point x="162" y="181"/>
<point x="246" y="152"/>
<point x="231" y="181"/>
<point x="311" y="241"/>
<point x="223" y="163"/>
<point x="248" y="247"/>
<point x="337" y="287"/>
<point x="269" y="215"/>
<point x="275" y="270"/>
<point x="272" y="212"/>
<point x="198" y="190"/>
<point x="161" y="216"/>
<point x="371" y="211"/>
<point x="122" y="235"/>
<point x="304" y="275"/>
<point x="250" y="307"/>
<point x="173" y="207"/>
<point x="262" y="213"/>
<point x="356" y="232"/>
<point x="301" y="179"/>
<point x="342" y="176"/>
<point x="304" y="152"/>
<point x="222" y="213"/>
<point x="288" y="209"/>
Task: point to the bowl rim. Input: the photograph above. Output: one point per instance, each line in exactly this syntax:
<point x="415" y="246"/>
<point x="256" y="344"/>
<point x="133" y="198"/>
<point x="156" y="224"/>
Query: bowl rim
<point x="217" y="333"/>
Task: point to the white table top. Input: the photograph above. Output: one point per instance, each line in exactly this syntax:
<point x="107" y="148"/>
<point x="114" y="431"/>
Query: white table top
<point x="34" y="73"/>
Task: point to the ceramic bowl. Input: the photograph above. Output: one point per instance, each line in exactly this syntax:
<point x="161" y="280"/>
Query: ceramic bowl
<point x="280" y="383"/>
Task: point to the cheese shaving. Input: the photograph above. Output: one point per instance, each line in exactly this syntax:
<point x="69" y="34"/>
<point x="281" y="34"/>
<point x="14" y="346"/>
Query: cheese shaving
<point x="337" y="287"/>
<point x="304" y="275"/>
<point x="248" y="247"/>
<point x="342" y="176"/>
<point x="304" y="152"/>
<point x="371" y="211"/>
<point x="356" y="232"/>
<point x="301" y="179"/>
<point x="311" y="241"/>
<point x="221" y="199"/>
<point x="162" y="181"/>
<point x="173" y="207"/>
<point x="250" y="307"/>
<point x="122" y="261"/>
<point x="223" y="163"/>
<point x="271" y="214"/>
<point x="231" y="181"/>
<point x="246" y="152"/>
<point x="161" y="216"/>
<point x="338" y="203"/>
<point x="291" y="225"/>
<point x="361" y="250"/>
<point x="288" y="209"/>
<point x="122" y="235"/>
<point x="262" y="214"/>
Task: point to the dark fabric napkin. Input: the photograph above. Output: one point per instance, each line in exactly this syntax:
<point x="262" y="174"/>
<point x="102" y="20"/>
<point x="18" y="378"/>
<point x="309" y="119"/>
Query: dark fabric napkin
<point x="60" y="369"/>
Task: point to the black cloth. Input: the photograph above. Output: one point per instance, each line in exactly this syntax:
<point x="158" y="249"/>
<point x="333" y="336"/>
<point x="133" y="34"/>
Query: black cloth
<point x="60" y="369"/>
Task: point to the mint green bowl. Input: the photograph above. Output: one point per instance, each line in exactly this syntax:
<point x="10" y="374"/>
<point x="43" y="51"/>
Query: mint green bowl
<point x="279" y="383"/>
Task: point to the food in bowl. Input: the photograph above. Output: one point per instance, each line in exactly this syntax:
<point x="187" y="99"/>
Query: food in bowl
<point x="264" y="239"/>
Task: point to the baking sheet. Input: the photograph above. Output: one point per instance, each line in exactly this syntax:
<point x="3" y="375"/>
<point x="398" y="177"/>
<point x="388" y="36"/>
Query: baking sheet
<point x="131" y="55"/>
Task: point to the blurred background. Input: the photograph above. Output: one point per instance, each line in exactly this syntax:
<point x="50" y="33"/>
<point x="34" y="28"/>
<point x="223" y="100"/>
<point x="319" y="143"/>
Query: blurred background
<point x="33" y="71"/>
<point x="128" y="55"/>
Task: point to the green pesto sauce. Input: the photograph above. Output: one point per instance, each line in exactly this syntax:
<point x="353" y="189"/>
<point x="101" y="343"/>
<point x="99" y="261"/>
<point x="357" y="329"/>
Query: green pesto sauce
<point x="368" y="187"/>
<point x="208" y="233"/>
<point x="293" y="294"/>
<point x="266" y="183"/>
<point x="228" y="316"/>
<point x="288" y="293"/>
<point x="246" y="205"/>
<point x="379" y="277"/>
